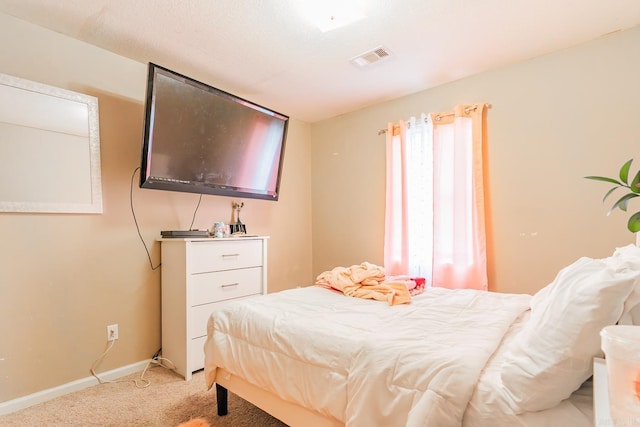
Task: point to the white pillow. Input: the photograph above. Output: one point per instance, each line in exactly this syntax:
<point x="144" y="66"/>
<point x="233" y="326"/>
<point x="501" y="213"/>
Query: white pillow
<point x="553" y="354"/>
<point x="628" y="257"/>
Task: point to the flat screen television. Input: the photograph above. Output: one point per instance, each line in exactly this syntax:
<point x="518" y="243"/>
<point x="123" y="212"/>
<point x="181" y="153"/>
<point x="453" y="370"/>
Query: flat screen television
<point x="200" y="139"/>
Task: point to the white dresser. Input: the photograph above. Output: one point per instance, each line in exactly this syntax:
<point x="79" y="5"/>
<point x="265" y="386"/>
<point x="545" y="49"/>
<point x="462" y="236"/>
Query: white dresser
<point x="199" y="275"/>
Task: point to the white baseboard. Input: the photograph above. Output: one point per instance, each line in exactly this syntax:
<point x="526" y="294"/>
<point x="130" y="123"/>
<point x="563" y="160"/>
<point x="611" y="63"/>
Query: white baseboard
<point x="42" y="396"/>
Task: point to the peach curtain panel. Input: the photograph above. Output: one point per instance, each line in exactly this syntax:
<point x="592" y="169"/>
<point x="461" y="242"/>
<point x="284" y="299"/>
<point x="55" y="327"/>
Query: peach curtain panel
<point x="434" y="216"/>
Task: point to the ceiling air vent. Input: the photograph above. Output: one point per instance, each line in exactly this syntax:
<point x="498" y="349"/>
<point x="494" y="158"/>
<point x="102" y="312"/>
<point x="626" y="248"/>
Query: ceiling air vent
<point x="370" y="57"/>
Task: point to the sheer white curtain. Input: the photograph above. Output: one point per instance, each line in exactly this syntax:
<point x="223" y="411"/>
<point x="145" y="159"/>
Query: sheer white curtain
<point x="409" y="217"/>
<point x="434" y="219"/>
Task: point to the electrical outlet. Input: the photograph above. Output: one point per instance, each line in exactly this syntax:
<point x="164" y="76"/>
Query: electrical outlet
<point x="112" y="332"/>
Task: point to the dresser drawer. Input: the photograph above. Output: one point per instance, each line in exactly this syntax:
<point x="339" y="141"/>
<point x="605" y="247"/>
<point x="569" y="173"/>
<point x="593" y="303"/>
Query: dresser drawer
<point x="200" y="316"/>
<point x="224" y="285"/>
<point x="224" y="255"/>
<point x="196" y="356"/>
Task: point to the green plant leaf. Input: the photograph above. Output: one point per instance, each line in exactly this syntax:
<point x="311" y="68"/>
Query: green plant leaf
<point x="634" y="223"/>
<point x="604" y="199"/>
<point x="634" y="191"/>
<point x="605" y="179"/>
<point x="624" y="171"/>
<point x="635" y="184"/>
<point x="622" y="202"/>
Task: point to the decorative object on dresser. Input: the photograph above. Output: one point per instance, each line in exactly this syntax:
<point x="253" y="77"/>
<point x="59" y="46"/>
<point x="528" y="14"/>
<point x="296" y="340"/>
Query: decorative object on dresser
<point x="219" y="230"/>
<point x="238" y="227"/>
<point x="198" y="276"/>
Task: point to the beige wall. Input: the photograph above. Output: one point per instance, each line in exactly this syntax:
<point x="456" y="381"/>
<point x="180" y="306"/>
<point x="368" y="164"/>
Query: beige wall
<point x="65" y="277"/>
<point x="555" y="119"/>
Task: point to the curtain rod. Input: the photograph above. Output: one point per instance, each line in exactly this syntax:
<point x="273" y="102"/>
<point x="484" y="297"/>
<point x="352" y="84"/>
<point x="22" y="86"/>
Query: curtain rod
<point x="439" y="116"/>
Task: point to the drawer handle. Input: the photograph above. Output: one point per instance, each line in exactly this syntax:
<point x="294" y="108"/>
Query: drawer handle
<point x="229" y="255"/>
<point x="230" y="285"/>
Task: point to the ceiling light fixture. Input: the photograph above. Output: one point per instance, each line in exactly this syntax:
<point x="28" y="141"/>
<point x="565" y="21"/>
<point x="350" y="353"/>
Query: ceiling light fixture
<point x="328" y="15"/>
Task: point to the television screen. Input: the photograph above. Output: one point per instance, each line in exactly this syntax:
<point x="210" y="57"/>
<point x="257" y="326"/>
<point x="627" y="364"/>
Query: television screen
<point x="200" y="139"/>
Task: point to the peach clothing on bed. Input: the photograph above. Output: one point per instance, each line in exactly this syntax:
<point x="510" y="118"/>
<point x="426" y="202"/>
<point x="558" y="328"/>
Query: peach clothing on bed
<point x="366" y="281"/>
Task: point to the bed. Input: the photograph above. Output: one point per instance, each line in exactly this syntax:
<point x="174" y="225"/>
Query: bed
<point x="314" y="357"/>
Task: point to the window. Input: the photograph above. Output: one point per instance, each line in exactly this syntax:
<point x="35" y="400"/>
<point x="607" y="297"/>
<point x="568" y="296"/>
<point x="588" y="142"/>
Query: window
<point x="435" y="200"/>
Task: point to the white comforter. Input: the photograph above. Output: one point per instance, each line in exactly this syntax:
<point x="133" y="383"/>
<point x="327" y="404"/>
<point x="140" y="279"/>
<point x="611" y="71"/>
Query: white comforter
<point x="364" y="362"/>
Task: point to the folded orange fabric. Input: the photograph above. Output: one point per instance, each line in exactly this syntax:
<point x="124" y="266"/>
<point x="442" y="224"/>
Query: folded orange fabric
<point x="367" y="281"/>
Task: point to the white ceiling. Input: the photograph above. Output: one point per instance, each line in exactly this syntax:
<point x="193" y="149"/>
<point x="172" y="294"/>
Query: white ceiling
<point x="268" y="52"/>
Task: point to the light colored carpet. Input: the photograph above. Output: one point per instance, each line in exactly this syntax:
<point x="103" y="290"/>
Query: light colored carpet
<point x="167" y="402"/>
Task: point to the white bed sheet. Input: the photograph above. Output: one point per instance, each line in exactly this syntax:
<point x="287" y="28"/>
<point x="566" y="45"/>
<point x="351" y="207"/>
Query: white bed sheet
<point x="416" y="364"/>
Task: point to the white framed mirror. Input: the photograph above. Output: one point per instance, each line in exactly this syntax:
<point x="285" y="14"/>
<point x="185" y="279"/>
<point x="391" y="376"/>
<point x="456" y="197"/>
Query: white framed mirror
<point x="49" y="149"/>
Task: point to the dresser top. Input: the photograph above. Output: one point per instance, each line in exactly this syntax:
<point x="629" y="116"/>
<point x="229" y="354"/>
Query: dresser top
<point x="212" y="239"/>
